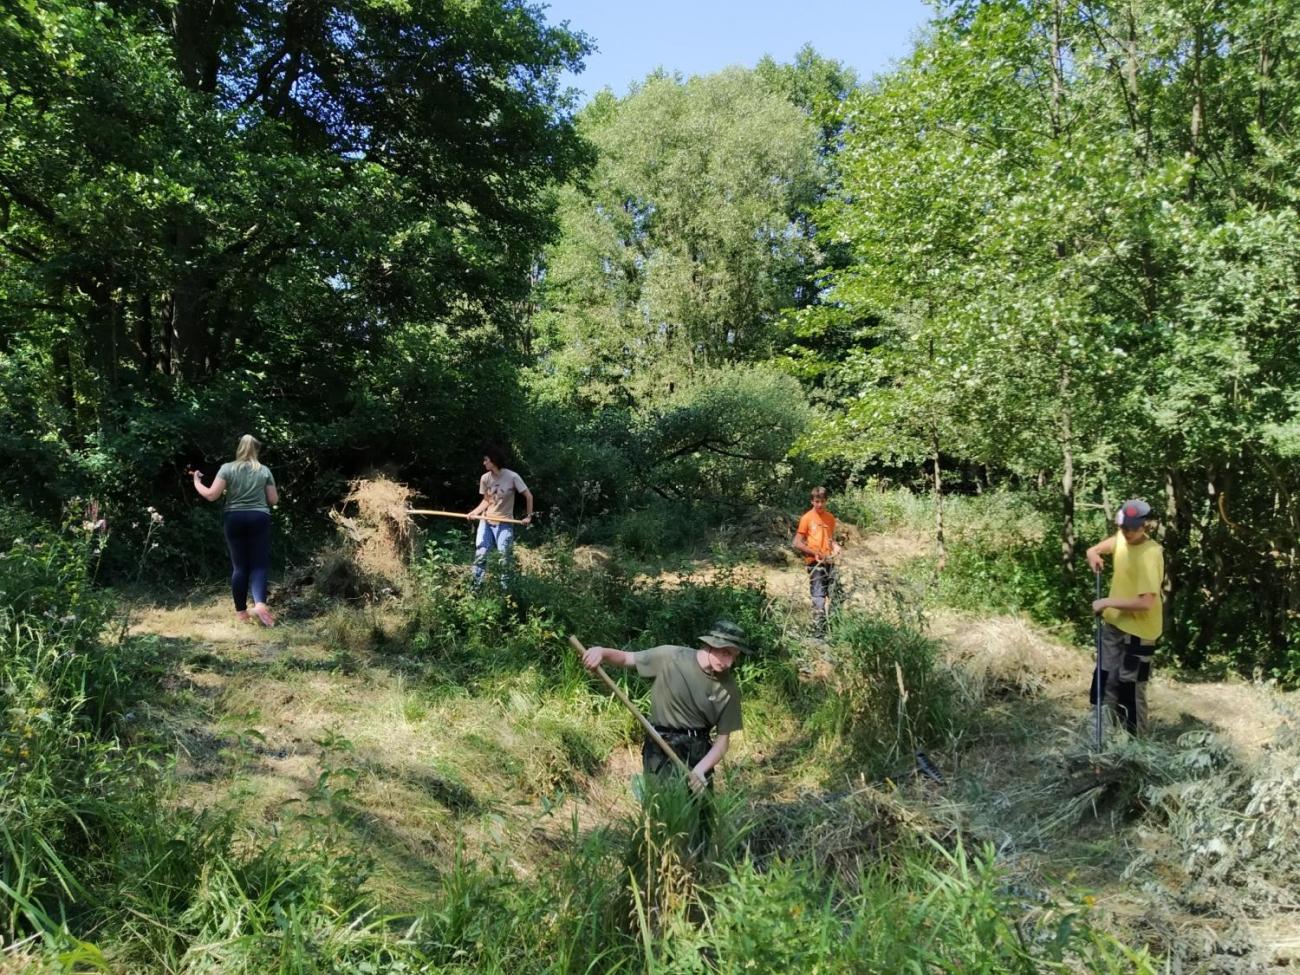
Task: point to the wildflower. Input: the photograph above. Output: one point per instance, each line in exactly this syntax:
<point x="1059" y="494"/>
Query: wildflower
<point x="70" y="618"/>
<point x="153" y="546"/>
<point x="151" y="509"/>
<point x="135" y="524"/>
<point x="156" y="517"/>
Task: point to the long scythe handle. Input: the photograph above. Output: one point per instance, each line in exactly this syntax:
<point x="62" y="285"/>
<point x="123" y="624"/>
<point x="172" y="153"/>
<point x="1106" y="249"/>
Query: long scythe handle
<point x="649" y="728"/>
<point x="495" y="519"/>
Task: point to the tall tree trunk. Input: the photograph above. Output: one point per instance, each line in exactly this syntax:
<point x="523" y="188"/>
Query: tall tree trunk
<point x="165" y="357"/>
<point x="1058" y="74"/>
<point x="66" y="389"/>
<point x="1068" y="539"/>
<point x="1197" y="123"/>
<point x="938" y="502"/>
<point x="196" y="38"/>
<point x="1173" y="540"/>
<point x="105" y="326"/>
<point x="1263" y="71"/>
<point x="144" y="331"/>
<point x="189" y="296"/>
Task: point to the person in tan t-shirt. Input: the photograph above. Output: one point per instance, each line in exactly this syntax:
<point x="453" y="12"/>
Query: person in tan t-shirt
<point x="815" y="541"/>
<point x="497" y="487"/>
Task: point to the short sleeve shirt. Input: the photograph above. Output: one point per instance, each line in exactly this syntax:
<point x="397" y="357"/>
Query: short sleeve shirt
<point x="500" y="490"/>
<point x="686" y="697"/>
<point x="246" y="486"/>
<point x="1139" y="569"/>
<point x="818" y="529"/>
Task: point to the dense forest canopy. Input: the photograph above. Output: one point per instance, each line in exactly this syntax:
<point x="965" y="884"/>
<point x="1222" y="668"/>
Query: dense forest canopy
<point x="1054" y="250"/>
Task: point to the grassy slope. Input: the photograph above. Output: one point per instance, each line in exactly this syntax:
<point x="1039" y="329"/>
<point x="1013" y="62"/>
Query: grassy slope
<point x="504" y="771"/>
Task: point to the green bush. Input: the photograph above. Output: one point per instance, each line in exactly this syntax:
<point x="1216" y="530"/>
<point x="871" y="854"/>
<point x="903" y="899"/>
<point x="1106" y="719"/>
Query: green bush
<point x="884" y="697"/>
<point x="68" y="788"/>
<point x="930" y="909"/>
<point x="470" y="636"/>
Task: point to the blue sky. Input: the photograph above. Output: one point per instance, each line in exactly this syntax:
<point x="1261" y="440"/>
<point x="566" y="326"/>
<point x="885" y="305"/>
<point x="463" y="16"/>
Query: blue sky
<point x="702" y="36"/>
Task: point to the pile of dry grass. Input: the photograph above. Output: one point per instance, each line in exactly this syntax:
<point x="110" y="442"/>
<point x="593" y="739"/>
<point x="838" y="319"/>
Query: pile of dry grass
<point x="378" y="536"/>
<point x="1005" y="657"/>
<point x="847" y="831"/>
<point x="1218" y="844"/>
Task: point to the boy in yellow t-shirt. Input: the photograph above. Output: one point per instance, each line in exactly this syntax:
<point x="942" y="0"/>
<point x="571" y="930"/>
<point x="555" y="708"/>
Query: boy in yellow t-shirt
<point x="1133" y="613"/>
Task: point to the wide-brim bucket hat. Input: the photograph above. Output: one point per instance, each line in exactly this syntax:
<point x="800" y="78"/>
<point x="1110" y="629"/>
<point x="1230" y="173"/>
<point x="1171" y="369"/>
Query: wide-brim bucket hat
<point x="726" y="634"/>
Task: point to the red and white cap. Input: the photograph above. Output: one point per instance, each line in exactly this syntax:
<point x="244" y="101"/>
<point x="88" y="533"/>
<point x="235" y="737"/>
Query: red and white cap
<point x="1133" y="514"/>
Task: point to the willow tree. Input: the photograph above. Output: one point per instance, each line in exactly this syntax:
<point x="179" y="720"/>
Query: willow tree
<point x="682" y="247"/>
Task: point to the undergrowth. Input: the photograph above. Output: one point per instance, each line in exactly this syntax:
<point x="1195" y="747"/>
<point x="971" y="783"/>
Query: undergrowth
<point x="104" y="867"/>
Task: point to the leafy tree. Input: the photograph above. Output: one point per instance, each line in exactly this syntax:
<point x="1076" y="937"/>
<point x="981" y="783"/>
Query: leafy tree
<point x="1057" y="214"/>
<point x="682" y="247"/>
<point x="223" y="216"/>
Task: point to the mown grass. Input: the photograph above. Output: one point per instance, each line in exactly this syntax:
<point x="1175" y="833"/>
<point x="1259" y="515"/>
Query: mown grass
<point x="105" y="865"/>
<point x="1001" y="554"/>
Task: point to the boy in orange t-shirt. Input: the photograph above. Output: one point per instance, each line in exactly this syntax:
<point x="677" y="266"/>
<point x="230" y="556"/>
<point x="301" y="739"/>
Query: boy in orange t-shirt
<point x="815" y="541"/>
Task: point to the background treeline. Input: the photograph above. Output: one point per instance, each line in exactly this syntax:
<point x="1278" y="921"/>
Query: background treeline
<point x="1053" y="253"/>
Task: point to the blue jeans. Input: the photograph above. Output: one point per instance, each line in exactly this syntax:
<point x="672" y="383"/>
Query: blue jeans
<point x="248" y="536"/>
<point x="489" y="535"/>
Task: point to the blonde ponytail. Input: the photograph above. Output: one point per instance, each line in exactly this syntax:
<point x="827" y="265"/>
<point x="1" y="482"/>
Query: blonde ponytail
<point x="246" y="452"/>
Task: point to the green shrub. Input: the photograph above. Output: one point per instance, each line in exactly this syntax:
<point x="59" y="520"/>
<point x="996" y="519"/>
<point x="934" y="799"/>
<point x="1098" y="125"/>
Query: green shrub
<point x="885" y="696"/>
<point x="69" y="790"/>
<point x="469" y="636"/>
<point x="1025" y="579"/>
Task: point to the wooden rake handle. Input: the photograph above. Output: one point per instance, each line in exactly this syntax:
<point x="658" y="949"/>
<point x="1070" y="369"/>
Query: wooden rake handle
<point x="657" y="738"/>
<point x="460" y="514"/>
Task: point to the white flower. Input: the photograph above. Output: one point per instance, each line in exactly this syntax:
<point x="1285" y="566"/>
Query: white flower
<point x="153" y="546"/>
<point x="70" y="618"/>
<point x="156" y="517"/>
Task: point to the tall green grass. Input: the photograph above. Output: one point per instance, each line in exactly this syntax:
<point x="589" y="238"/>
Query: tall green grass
<point x="640" y="899"/>
<point x="1002" y="549"/>
<point x="103" y="866"/>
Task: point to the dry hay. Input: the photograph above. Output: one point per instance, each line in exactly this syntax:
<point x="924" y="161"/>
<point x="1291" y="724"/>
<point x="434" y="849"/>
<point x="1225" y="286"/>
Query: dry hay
<point x="844" y="831"/>
<point x="15" y="960"/>
<point x="1005" y="656"/>
<point x="1218" y="844"/>
<point x="378" y="535"/>
<point x="591" y="558"/>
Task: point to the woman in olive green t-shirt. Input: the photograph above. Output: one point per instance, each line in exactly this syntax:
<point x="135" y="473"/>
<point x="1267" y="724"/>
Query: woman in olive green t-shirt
<point x="250" y="492"/>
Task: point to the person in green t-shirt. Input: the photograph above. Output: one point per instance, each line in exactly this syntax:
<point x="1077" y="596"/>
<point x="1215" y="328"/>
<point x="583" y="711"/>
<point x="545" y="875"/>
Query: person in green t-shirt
<point x="1132" y="615"/>
<point x="250" y="492"/>
<point x="694" y="694"/>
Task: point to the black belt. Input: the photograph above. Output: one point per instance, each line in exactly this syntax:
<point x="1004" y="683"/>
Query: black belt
<point x="682" y="732"/>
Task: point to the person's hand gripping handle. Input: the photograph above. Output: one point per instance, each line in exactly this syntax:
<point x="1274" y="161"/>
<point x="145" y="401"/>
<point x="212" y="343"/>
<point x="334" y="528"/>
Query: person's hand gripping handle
<point x="649" y="728"/>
